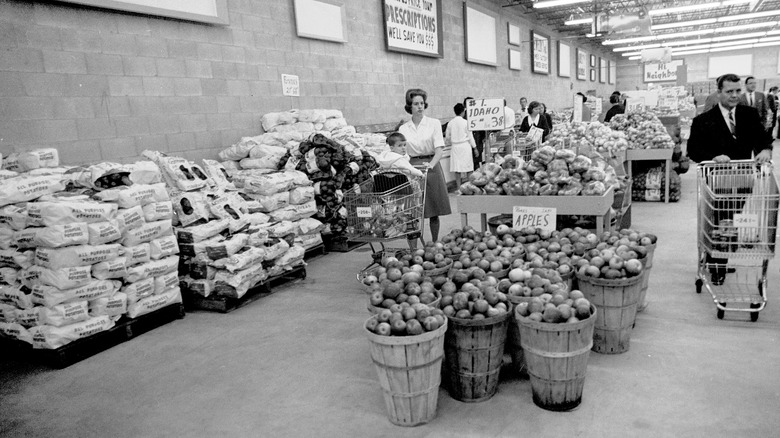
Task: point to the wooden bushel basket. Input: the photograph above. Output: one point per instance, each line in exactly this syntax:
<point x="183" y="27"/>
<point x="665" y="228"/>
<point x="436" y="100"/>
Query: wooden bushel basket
<point x="409" y="371"/>
<point x="556" y="356"/>
<point x="648" y="265"/>
<point x="616" y="301"/>
<point x="475" y="353"/>
<point x="513" y="337"/>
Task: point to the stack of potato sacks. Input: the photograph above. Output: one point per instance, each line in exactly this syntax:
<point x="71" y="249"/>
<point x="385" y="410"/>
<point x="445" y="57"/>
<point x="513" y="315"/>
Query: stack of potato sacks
<point x="234" y="236"/>
<point x="82" y="247"/>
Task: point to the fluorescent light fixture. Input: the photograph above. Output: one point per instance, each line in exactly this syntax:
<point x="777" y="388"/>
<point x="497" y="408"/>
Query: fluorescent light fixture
<point x="767" y="39"/>
<point x="578" y="21"/>
<point x="775" y="43"/>
<point x="555" y="3"/>
<point x="590" y="35"/>
<point x="645" y="46"/>
<point x="683" y="24"/>
<point x="634" y="58"/>
<point x="631" y="53"/>
<point x="688" y="42"/>
<point x="700" y="46"/>
<point x="688" y="8"/>
<point x="740" y="36"/>
<point x="629" y="40"/>
<point x="761" y="14"/>
<point x="746" y="26"/>
<point x="723" y="49"/>
<point x="685" y="34"/>
<point x="691" y="52"/>
<point x="734" y="2"/>
<point x="773" y="32"/>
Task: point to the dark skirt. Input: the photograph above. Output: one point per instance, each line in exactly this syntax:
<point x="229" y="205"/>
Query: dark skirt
<point x="437" y="200"/>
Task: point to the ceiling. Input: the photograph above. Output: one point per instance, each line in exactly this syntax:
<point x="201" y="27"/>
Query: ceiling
<point x="716" y="29"/>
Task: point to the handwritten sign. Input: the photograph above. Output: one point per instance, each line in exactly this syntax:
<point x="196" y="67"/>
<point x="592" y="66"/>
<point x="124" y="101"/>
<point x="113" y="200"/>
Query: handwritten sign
<point x="668" y="102"/>
<point x="541" y="51"/>
<point x="413" y="26"/>
<point x="363" y="211"/>
<point x="485" y="114"/>
<point x="635" y="104"/>
<point x="662" y="71"/>
<point x="745" y="220"/>
<point x="534" y="217"/>
<point x="290" y="85"/>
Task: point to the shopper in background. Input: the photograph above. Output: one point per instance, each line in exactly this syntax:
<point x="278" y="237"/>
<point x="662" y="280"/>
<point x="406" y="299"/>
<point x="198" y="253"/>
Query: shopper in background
<point x="617" y="108"/>
<point x="757" y="100"/>
<point x="425" y="143"/>
<point x="535" y="118"/>
<point x="522" y="111"/>
<point x="463" y="144"/>
<point x="772" y="100"/>
<point x="547" y="116"/>
<point x="586" y="114"/>
<point x="712" y="100"/>
<point x="479" y="138"/>
<point x="727" y="132"/>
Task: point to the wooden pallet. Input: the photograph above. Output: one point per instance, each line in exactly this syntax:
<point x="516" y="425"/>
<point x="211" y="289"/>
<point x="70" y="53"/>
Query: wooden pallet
<point x="224" y="304"/>
<point x="315" y="252"/>
<point x="76" y="351"/>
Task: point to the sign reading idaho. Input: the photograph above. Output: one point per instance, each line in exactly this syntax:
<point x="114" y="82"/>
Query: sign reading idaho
<point x="534" y="217"/>
<point x="485" y="114"/>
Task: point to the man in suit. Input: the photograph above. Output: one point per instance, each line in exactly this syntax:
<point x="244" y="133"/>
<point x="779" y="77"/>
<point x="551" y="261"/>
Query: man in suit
<point x="771" y="98"/>
<point x="757" y="100"/>
<point x="727" y="132"/>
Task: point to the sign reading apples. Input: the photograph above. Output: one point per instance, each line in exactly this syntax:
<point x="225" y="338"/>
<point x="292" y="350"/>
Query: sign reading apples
<point x="534" y="217"/>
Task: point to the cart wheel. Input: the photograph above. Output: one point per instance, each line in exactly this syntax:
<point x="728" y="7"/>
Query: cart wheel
<point x="721" y="312"/>
<point x="698" y="285"/>
<point x="754" y="315"/>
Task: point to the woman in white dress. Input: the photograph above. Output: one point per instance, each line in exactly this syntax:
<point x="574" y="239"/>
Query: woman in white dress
<point x="463" y="144"/>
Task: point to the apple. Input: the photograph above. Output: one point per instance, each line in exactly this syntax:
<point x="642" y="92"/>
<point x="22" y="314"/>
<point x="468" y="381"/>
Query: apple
<point x="383" y="329"/>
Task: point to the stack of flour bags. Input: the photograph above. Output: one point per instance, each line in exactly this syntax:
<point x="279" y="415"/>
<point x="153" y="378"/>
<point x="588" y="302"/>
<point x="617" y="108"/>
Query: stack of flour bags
<point x="81" y="248"/>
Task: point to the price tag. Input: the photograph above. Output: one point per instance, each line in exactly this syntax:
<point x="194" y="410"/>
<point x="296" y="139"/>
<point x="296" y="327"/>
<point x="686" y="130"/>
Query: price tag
<point x="744" y="220"/>
<point x="493" y="150"/>
<point x="534" y="217"/>
<point x="635" y="105"/>
<point x="364" y="211"/>
<point x="485" y="114"/>
<point x="290" y="85"/>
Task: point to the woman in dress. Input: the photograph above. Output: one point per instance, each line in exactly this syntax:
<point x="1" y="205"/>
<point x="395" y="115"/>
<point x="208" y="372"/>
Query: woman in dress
<point x="463" y="145"/>
<point x="424" y="144"/>
<point x="535" y="118"/>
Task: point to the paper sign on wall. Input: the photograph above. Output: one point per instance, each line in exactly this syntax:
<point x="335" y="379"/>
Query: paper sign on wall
<point x="290" y="85"/>
<point x="485" y="114"/>
<point x="534" y="217"/>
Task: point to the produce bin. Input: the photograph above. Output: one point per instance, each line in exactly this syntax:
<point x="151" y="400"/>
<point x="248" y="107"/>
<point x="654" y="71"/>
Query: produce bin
<point x="474" y="353"/>
<point x="513" y="343"/>
<point x="616" y="301"/>
<point x="409" y="371"/>
<point x="556" y="356"/>
<point x="495" y="221"/>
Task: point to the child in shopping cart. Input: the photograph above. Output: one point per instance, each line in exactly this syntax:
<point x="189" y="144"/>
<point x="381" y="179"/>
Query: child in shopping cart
<point x="396" y="159"/>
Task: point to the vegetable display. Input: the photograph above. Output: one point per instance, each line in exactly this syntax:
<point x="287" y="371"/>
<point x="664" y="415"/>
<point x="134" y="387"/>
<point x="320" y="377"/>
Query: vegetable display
<point x="584" y="137"/>
<point x="643" y="130"/>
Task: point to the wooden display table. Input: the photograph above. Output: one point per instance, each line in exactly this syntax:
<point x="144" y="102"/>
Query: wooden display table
<point x="652" y="155"/>
<point x="599" y="206"/>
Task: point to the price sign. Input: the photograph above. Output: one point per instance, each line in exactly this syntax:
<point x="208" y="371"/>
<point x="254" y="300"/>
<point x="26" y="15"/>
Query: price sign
<point x="485" y="114"/>
<point x="577" y="109"/>
<point x="535" y="134"/>
<point x="744" y="220"/>
<point x="290" y="85"/>
<point x="534" y="217"/>
<point x="668" y="102"/>
<point x="599" y="105"/>
<point x="635" y="104"/>
<point x="364" y="211"/>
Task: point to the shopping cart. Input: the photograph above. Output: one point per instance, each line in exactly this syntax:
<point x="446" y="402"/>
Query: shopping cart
<point x="737" y="224"/>
<point x="387" y="207"/>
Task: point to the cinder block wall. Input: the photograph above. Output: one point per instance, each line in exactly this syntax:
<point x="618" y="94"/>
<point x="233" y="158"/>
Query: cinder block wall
<point x="106" y="85"/>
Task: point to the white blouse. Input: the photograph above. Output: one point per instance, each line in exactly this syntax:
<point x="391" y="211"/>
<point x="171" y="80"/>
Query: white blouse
<point x="422" y="139"/>
<point x="458" y="132"/>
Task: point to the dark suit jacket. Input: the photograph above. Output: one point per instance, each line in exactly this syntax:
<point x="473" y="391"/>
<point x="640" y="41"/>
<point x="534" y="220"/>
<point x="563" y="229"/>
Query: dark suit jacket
<point x="710" y="135"/>
<point x="761" y="104"/>
<point x="543" y="124"/>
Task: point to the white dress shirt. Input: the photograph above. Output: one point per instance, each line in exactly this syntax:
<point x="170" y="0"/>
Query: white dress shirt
<point x="423" y="139"/>
<point x="751" y="98"/>
<point x="725" y="113"/>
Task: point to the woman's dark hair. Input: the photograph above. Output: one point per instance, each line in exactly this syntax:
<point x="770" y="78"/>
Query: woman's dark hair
<point x="532" y="106"/>
<point x="458" y="108"/>
<point x="615" y="98"/>
<point x="728" y="77"/>
<point x="411" y="94"/>
<point x="583" y="96"/>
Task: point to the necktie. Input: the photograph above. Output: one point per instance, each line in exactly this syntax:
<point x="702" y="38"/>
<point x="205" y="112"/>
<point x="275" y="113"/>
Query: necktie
<point x="732" y="125"/>
<point x="750" y="101"/>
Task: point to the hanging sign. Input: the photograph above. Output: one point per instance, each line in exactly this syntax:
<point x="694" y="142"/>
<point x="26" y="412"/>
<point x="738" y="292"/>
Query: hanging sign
<point x="290" y="85"/>
<point x="661" y="71"/>
<point x="534" y="217"/>
<point x="414" y="26"/>
<point x="485" y="114"/>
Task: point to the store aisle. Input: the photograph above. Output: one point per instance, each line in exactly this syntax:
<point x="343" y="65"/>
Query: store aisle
<point x="296" y="364"/>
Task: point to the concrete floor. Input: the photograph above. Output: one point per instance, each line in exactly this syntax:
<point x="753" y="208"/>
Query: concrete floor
<point x="296" y="364"/>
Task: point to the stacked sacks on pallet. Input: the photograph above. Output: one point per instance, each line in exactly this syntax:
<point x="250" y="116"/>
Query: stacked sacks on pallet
<point x="74" y="260"/>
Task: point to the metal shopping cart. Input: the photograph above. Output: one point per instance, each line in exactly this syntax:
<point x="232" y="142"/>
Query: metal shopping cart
<point x="387" y="207"/>
<point x="737" y="224"/>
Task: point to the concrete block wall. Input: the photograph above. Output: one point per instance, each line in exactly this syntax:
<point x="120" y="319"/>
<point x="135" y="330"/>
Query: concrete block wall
<point x="104" y="85"/>
<point x="765" y="68"/>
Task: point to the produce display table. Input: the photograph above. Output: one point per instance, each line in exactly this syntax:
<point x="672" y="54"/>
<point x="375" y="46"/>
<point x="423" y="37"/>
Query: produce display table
<point x="654" y="155"/>
<point x="598" y="206"/>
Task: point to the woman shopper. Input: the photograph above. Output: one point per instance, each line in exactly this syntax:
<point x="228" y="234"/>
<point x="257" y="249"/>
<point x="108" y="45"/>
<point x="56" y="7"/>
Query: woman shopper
<point x="424" y="144"/>
<point x="463" y="144"/>
<point x="535" y="118"/>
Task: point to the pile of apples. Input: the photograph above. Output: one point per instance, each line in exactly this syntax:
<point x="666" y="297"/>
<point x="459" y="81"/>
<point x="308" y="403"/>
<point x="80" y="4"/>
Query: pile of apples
<point x="618" y="254"/>
<point x="532" y="282"/>
<point x="562" y="307"/>
<point x="474" y="299"/>
<point x="406" y="320"/>
<point x="396" y="283"/>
